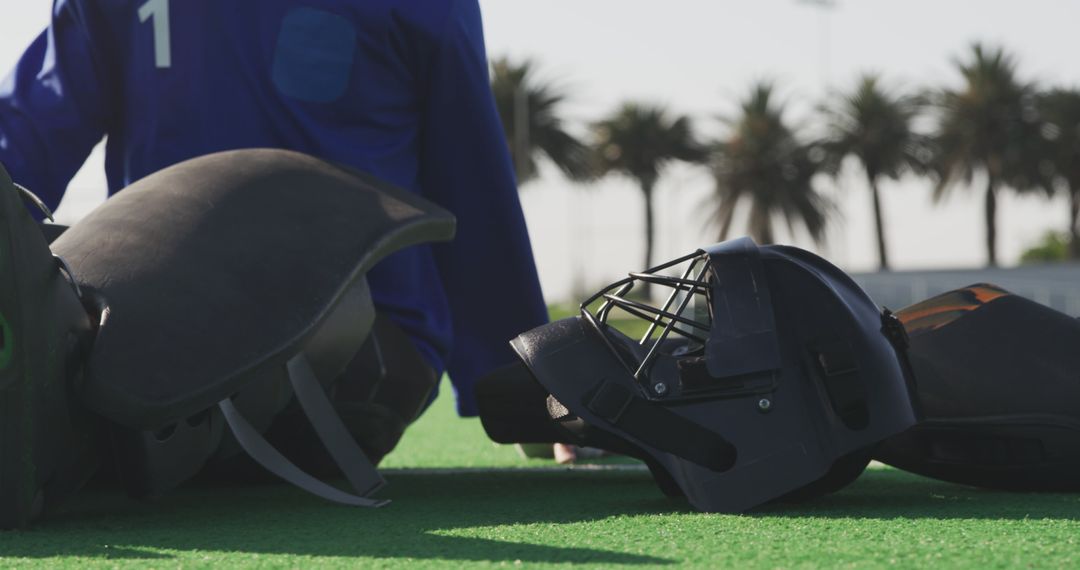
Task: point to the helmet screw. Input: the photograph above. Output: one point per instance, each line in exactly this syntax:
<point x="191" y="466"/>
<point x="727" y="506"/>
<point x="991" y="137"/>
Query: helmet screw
<point x="660" y="389"/>
<point x="764" y="404"/>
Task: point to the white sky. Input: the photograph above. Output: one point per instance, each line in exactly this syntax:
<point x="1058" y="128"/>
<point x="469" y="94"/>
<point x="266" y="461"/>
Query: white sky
<point x="698" y="57"/>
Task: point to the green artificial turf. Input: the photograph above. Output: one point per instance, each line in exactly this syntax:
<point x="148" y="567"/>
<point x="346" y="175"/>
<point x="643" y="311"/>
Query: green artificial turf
<point x="460" y="500"/>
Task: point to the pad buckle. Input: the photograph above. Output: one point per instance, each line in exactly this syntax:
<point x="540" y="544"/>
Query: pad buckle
<point x="894" y="330"/>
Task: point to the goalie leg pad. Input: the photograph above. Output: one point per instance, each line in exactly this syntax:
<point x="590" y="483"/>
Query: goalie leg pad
<point x="998" y="378"/>
<point x="47" y="444"/>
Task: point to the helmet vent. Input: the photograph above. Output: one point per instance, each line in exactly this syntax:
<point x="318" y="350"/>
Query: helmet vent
<point x="839" y="369"/>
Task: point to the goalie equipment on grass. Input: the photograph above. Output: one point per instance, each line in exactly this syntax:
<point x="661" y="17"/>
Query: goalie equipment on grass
<point x="221" y="288"/>
<point x="764" y="372"/>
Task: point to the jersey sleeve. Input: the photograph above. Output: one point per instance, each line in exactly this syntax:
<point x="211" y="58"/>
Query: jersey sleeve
<point x="52" y="106"/>
<point x="488" y="271"/>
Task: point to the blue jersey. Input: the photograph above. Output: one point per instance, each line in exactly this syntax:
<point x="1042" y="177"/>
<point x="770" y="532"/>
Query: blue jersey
<point x="398" y="89"/>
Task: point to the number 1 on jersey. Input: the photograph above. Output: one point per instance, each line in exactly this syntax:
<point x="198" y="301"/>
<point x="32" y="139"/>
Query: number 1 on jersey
<point x="159" y="11"/>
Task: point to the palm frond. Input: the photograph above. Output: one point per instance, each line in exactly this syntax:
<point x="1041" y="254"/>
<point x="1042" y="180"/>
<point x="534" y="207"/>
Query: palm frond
<point x="989" y="124"/>
<point x="764" y="164"/>
<point x="517" y="89"/>
<point x="638" y="140"/>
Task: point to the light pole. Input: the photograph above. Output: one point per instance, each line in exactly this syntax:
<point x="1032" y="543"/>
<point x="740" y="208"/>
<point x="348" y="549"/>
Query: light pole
<point x="825" y="8"/>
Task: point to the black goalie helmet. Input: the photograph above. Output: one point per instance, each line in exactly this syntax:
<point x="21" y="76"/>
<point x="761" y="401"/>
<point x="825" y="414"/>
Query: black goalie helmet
<point x="760" y="372"/>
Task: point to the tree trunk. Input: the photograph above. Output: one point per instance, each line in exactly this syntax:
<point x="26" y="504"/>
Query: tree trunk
<point x="766" y="232"/>
<point x="760" y="227"/>
<point x="647" y="190"/>
<point x="991" y="221"/>
<point x="883" y="254"/>
<point x="1074" y="223"/>
<point x="647" y="185"/>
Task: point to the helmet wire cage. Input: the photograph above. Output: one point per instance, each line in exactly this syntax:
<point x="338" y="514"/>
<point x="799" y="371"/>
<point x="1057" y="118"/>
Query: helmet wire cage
<point x="690" y="286"/>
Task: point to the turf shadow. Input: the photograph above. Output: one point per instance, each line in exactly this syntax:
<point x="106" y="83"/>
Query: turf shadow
<point x="432" y="511"/>
<point x="428" y="512"/>
<point x="892" y="494"/>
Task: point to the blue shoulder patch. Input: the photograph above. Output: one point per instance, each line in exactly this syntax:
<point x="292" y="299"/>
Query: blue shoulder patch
<point x="314" y="56"/>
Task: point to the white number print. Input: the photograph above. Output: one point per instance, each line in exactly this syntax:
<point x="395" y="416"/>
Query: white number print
<point x="159" y="11"/>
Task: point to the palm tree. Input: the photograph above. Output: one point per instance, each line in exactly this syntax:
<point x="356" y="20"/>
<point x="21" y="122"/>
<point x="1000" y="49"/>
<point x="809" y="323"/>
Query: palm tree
<point x="988" y="125"/>
<point x="638" y="140"/>
<point x="529" y="109"/>
<point x="875" y="126"/>
<point x="1060" y="112"/>
<point x="764" y="163"/>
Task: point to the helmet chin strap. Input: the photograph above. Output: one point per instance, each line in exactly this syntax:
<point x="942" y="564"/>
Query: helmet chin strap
<point x="360" y="472"/>
<point x="658" y="427"/>
<point x="37" y="202"/>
